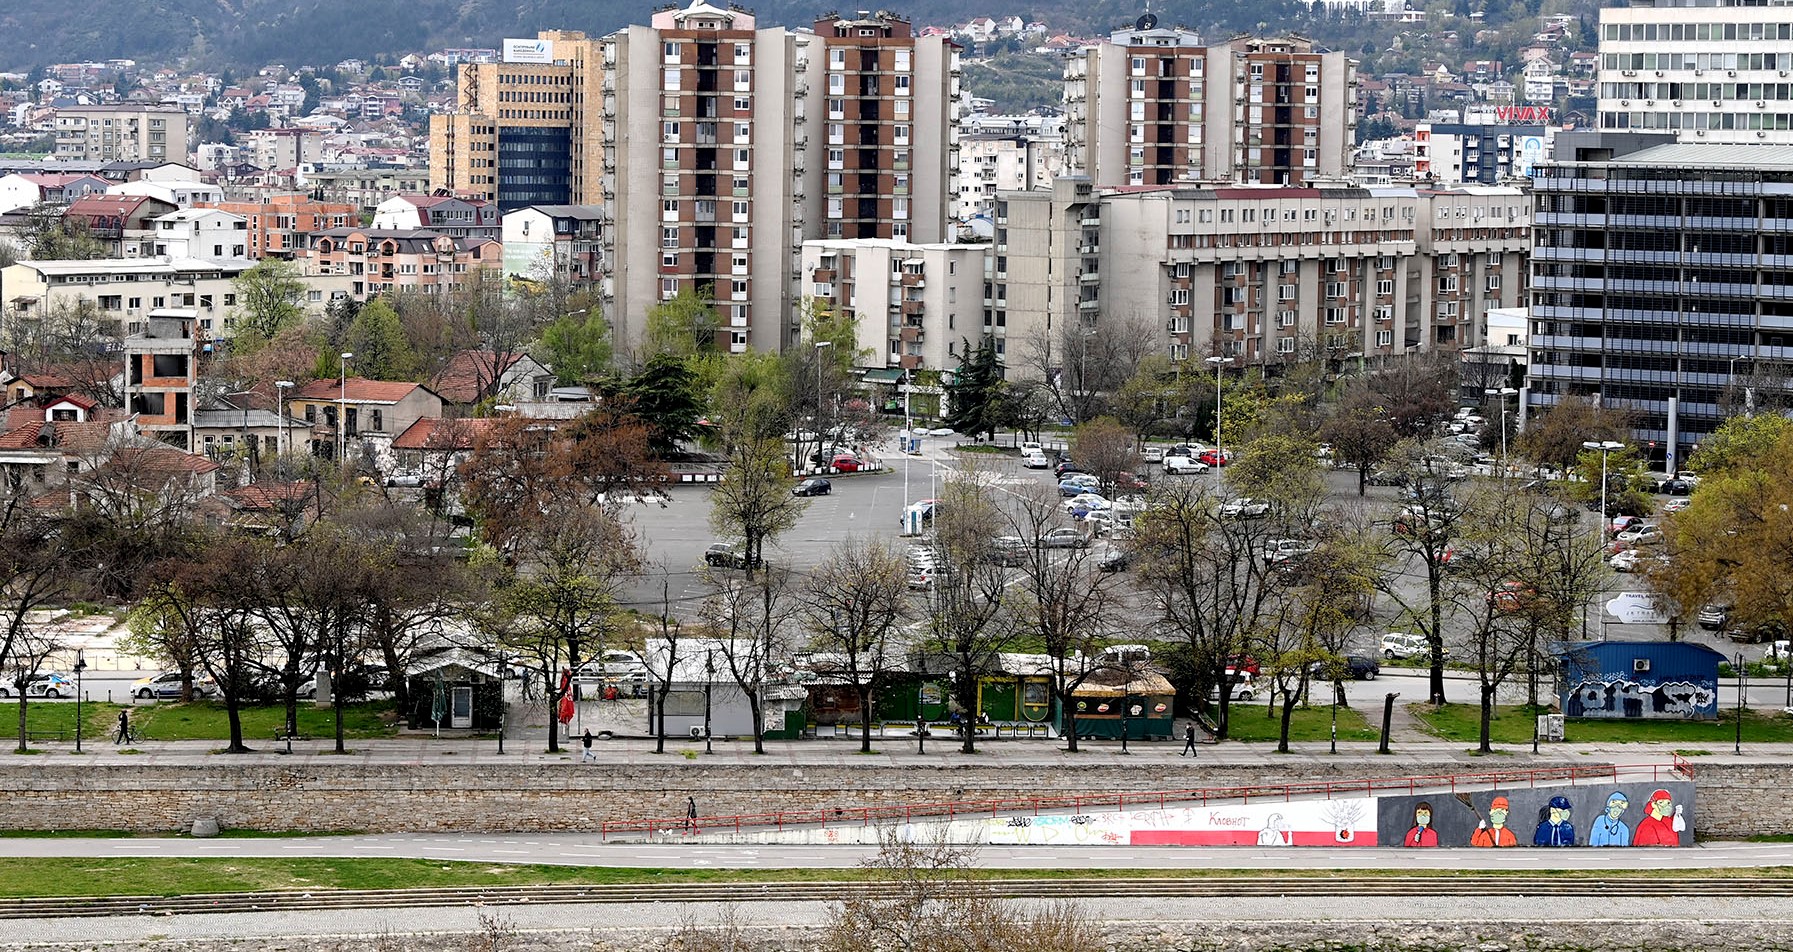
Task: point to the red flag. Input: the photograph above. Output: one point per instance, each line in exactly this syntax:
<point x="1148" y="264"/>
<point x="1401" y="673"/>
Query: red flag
<point x="566" y="709"/>
<point x="566" y="680"/>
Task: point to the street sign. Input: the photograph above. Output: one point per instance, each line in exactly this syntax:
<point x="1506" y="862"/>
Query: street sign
<point x="1636" y="608"/>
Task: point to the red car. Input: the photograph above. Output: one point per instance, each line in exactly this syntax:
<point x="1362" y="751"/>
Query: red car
<point x="1245" y="663"/>
<point x="1512" y="596"/>
<point x="1130" y="482"/>
<point x="847" y="464"/>
<point x="1216" y="457"/>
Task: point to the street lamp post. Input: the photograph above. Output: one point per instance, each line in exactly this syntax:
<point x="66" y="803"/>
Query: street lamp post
<point x="1605" y="447"/>
<point x="1219" y="445"/>
<point x="1738" y="747"/>
<point x="80" y="666"/>
<point x="827" y="464"/>
<point x="342" y="411"/>
<point x="1503" y="393"/>
<point x="285" y="439"/>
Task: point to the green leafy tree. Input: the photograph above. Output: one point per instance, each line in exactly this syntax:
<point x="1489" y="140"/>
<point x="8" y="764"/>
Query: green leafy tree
<point x="683" y="325"/>
<point x="1140" y="402"/>
<point x="1740" y="443"/>
<point x="665" y="396"/>
<point x="1360" y="432"/>
<point x="48" y="236"/>
<point x="268" y="296"/>
<point x="578" y="346"/>
<point x="976" y="391"/>
<point x="378" y="342"/>
<point x="753" y="500"/>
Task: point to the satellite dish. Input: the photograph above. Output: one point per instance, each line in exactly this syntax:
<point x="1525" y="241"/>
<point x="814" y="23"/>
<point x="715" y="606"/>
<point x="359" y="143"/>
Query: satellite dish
<point x="1145" y="22"/>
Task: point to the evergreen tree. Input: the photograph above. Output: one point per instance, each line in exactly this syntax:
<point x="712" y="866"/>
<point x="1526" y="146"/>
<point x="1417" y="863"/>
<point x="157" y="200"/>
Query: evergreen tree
<point x="976" y="391"/>
<point x="378" y="342"/>
<point x="665" y="397"/>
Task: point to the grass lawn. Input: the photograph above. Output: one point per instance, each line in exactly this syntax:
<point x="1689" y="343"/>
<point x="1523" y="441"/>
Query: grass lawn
<point x="1246" y="722"/>
<point x="143" y="876"/>
<point x="1513" y="724"/>
<point x="200" y="720"/>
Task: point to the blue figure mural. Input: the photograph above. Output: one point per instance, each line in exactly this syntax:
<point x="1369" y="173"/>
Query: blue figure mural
<point x="1608" y="829"/>
<point x="1554" y="828"/>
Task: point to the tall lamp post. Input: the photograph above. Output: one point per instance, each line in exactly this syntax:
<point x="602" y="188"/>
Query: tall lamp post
<point x="285" y="439"/>
<point x="342" y="411"/>
<point x="80" y="666"/>
<point x="827" y="464"/>
<point x="1738" y="748"/>
<point x="709" y="680"/>
<point x="1219" y="446"/>
<point x="1605" y="447"/>
<point x="1503" y="393"/>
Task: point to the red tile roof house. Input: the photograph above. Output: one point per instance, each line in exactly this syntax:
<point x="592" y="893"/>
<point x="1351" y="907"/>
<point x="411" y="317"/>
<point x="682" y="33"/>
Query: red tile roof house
<point x="41" y="447"/>
<point x="474" y="375"/>
<point x="268" y="508"/>
<point x="435" y="449"/>
<point x="374" y="412"/>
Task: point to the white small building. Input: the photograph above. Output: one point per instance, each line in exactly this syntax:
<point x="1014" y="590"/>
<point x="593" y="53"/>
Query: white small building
<point x="181" y="194"/>
<point x="442" y="214"/>
<point x="204" y="233"/>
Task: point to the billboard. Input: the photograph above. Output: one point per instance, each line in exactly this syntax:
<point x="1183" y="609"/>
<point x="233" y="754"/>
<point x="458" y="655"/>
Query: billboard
<point x="529" y="51"/>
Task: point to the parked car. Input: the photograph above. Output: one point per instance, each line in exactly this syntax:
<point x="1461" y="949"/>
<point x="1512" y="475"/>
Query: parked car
<point x="1245" y="507"/>
<point x="1621" y="523"/>
<point x="168" y="685"/>
<point x="46" y="684"/>
<point x="1511" y="596"/>
<point x="1182" y="465"/>
<point x="1114" y="560"/>
<point x="1078" y="483"/>
<point x="1064" y="538"/>
<point x="1008" y="550"/>
<point x="1387" y="477"/>
<point x="847" y="464"/>
<point x="1676" y="505"/>
<point x="813" y="486"/>
<point x="1152" y="454"/>
<point x="1243" y="689"/>
<point x="405" y="480"/>
<point x="1625" y="561"/>
<point x="1216" y="457"/>
<point x="1640" y="534"/>
<point x="1085" y="502"/>
<point x="828" y="453"/>
<point x="726" y="555"/>
<point x="614" y="664"/>
<point x="1401" y="644"/>
<point x="1284" y="550"/>
<point x="1676" y="487"/>
<point x="1714" y="616"/>
<point x="942" y="431"/>
<point x="1032" y="446"/>
<point x="1035" y="459"/>
<point x="1350" y="668"/>
<point x="1130" y="483"/>
<point x="1066" y="468"/>
<point x="1243" y="663"/>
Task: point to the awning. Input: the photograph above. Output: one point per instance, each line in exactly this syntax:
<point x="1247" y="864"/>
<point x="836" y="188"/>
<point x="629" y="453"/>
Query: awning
<point x="884" y="375"/>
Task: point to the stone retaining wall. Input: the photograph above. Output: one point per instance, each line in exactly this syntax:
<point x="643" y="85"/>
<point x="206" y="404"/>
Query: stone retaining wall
<point x="1735" y="800"/>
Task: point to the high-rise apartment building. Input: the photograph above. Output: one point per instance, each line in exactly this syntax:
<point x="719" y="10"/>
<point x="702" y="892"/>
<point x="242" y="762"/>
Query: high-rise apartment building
<point x="728" y="145"/>
<point x="1707" y="70"/>
<point x="1154" y="106"/>
<point x="127" y="132"/>
<point x="915" y="304"/>
<point x="1261" y="273"/>
<point x="1662" y="282"/>
<point x="520" y="133"/>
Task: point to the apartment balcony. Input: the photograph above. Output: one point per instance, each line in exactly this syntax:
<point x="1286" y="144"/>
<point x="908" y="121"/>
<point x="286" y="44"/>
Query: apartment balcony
<point x="911" y="335"/>
<point x="913" y="308"/>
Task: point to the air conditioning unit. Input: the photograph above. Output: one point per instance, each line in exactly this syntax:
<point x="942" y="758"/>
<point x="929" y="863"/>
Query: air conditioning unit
<point x="1624" y="102"/>
<point x="1760" y="104"/>
<point x="1677" y="102"/>
<point x="1699" y="72"/>
<point x="1730" y="72"/>
<point x="1640" y="665"/>
<point x="697" y="732"/>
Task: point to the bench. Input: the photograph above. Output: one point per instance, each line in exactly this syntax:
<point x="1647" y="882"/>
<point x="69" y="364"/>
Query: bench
<point x="58" y="736"/>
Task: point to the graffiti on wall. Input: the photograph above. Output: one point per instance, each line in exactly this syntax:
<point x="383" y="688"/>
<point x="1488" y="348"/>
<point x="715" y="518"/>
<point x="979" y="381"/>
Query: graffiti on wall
<point x="1651" y="814"/>
<point x="1623" y="697"/>
<point x="1343" y="822"/>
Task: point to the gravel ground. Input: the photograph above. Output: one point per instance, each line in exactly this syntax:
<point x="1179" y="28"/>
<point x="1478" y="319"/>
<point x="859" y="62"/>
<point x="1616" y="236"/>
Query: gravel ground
<point x="1492" y="925"/>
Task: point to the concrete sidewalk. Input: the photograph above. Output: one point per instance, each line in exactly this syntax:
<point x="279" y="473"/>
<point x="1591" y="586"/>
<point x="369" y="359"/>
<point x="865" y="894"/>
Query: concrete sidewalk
<point x="890" y="752"/>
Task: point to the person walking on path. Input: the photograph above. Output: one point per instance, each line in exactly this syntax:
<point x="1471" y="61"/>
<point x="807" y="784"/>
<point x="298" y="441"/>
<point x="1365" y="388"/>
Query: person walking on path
<point x="690" y="814"/>
<point x="1188" y="741"/>
<point x="124" y="728"/>
<point x="586" y="743"/>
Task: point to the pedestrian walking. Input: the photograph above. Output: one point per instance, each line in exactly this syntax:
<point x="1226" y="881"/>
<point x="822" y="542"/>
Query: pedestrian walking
<point x="124" y="728"/>
<point x="690" y="813"/>
<point x="1188" y="741"/>
<point x="586" y="743"/>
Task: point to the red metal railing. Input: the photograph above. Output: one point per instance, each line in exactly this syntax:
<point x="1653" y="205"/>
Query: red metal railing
<point x="1328" y="789"/>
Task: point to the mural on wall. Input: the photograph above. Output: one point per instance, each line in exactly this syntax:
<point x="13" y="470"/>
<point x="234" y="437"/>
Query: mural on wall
<point x="1622" y="697"/>
<point x="1344" y="822"/>
<point x="1497" y="819"/>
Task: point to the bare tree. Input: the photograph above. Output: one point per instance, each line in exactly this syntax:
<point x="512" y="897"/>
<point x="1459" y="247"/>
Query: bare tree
<point x="853" y="603"/>
<point x="1081" y="364"/>
<point x="1425" y="531"/>
<point x="1063" y="600"/>
<point x="1106" y="449"/>
<point x="32" y="576"/>
<point x="751" y="618"/>
<point x="967" y="622"/>
<point x="663" y="665"/>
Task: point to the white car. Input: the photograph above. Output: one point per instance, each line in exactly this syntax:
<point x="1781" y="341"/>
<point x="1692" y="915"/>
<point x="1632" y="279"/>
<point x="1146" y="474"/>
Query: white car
<point x="1030" y="446"/>
<point x="1401" y="644"/>
<point x="1152" y="454"/>
<point x="1644" y="534"/>
<point x="1034" y="459"/>
<point x="1088" y="502"/>
<point x="1625" y="561"/>
<point x="1181" y="465"/>
<point x="1284" y="550"/>
<point x="942" y="431"/>
<point x="613" y="665"/>
<point x="1245" y="507"/>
